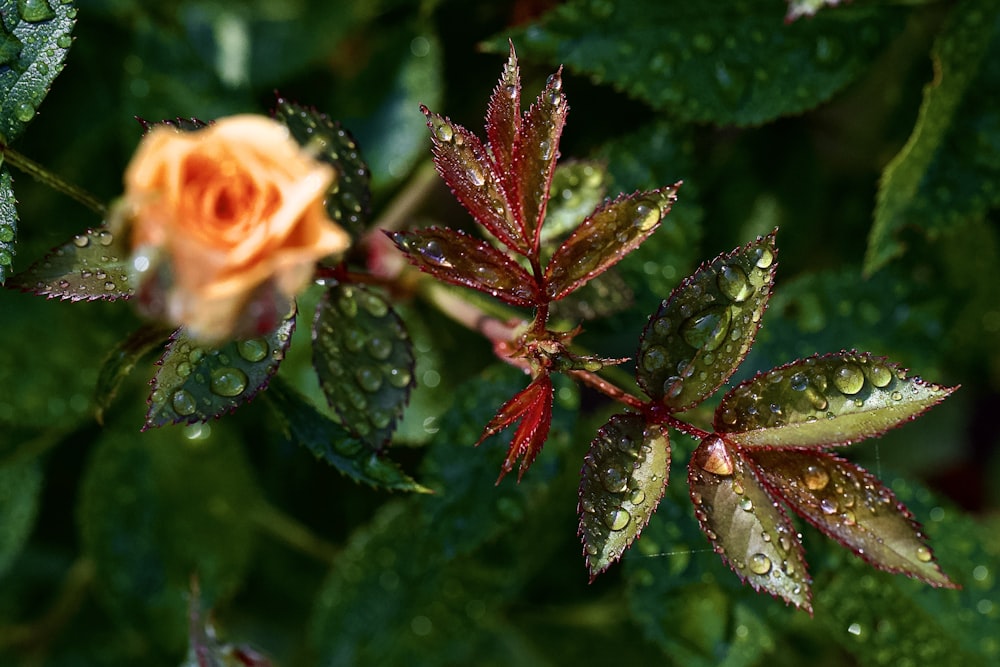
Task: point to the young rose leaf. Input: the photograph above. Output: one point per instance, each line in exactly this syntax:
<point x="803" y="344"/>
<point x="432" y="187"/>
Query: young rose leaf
<point x="532" y="407"/>
<point x="194" y="384"/>
<point x="622" y="481"/>
<point x="835" y="399"/>
<point x="457" y="258"/>
<point x="577" y="188"/>
<point x="850" y="505"/>
<point x="612" y="231"/>
<point x="92" y="265"/>
<point x="8" y="224"/>
<point x="348" y="200"/>
<point x="328" y="441"/>
<point x="699" y="335"/>
<point x="465" y="165"/>
<point x="120" y="362"/>
<point x="178" y="123"/>
<point x="364" y="358"/>
<point x="745" y="525"/>
<point x="503" y="116"/>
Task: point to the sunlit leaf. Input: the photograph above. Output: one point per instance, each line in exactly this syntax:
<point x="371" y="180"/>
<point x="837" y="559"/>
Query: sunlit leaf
<point x="92" y="265"/>
<point x="20" y="492"/>
<point x="194" y="383"/>
<point x="615" y="229"/>
<point x="330" y="442"/>
<point x="8" y="224"/>
<point x="364" y="358"/>
<point x="697" y="338"/>
<point x="120" y="362"/>
<point x="744" y="523"/>
<point x="852" y="506"/>
<point x="532" y="408"/>
<point x="503" y="116"/>
<point x="577" y="188"/>
<point x="348" y="200"/>
<point x="457" y="258"/>
<point x="622" y="481"/>
<point x="835" y="399"/>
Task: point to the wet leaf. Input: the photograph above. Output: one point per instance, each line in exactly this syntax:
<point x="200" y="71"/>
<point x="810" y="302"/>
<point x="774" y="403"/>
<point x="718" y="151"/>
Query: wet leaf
<point x="851" y="505"/>
<point x="92" y="265"/>
<point x="746" y="526"/>
<point x="120" y="362"/>
<point x="36" y="38"/>
<point x="178" y="123"/>
<point x="835" y="399"/>
<point x="348" y="199"/>
<point x="364" y="359"/>
<point x="699" y="335"/>
<point x="622" y="481"/>
<point x="612" y="231"/>
<point x="330" y="442"/>
<point x="532" y="407"/>
<point x="457" y="258"/>
<point x="8" y="224"/>
<point x="20" y="492"/>
<point x="195" y="383"/>
<point x="503" y="116"/>
<point x="577" y="188"/>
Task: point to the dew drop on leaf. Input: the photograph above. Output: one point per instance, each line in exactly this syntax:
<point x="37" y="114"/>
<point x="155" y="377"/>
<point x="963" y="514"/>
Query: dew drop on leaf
<point x="81" y="240"/>
<point x="764" y="257"/>
<point x="227" y="381"/>
<point x="399" y="377"/>
<point x="848" y="379"/>
<point x="707" y="330"/>
<point x="183" y="403"/>
<point x="618" y="519"/>
<point x="714" y="458"/>
<point x="733" y="283"/>
<point x="35" y="11"/>
<point x="253" y="350"/>
<point x="760" y="564"/>
<point x="646" y="214"/>
<point x="815" y="477"/>
<point x="879" y="375"/>
<point x="369" y="378"/>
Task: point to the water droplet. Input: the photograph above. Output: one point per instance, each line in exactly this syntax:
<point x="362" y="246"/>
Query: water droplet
<point x="109" y="286"/>
<point x="827" y="506"/>
<point x="848" y="517"/>
<point x="733" y="282"/>
<point x="673" y="386"/>
<point x="760" y="564"/>
<point x="848" y="379"/>
<point x="34" y="11"/>
<point x="815" y="477"/>
<point x="798" y="382"/>
<point x="254" y="349"/>
<point x="24" y="112"/>
<point x="227" y="381"/>
<point x="510" y="91"/>
<point x="923" y="554"/>
<point x="105" y="238"/>
<point x="375" y="306"/>
<point x="617" y="519"/>
<point x="655" y="358"/>
<point x="638" y="496"/>
<point x="475" y="175"/>
<point x="645" y="215"/>
<point x="707" y="330"/>
<point x="184" y="369"/>
<point x="183" y="403"/>
<point x="444" y="131"/>
<point x="764" y="257"/>
<point x="81" y="240"/>
<point x="369" y="378"/>
<point x="879" y="375"/>
<point x="554" y="81"/>
<point x="614" y="479"/>
<point x="746" y="505"/>
<point x="431" y="251"/>
<point x="399" y="377"/>
<point x="728" y="415"/>
<point x="6" y="233"/>
<point x="854" y="629"/>
<point x="896" y="396"/>
<point x="662" y="327"/>
<point x="544" y="149"/>
<point x="354" y="339"/>
<point x="64" y="41"/>
<point x="713" y="457"/>
<point x="379" y="348"/>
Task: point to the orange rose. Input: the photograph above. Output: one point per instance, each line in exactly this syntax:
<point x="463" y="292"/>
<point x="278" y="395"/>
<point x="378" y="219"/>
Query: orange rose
<point x="226" y="225"/>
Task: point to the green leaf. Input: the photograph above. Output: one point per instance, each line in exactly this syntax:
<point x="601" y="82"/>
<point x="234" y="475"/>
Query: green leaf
<point x="949" y="167"/>
<point x="8" y="223"/>
<point x="20" y="488"/>
<point x="742" y="65"/>
<point x="348" y="199"/>
<point x="330" y="442"/>
<point x="194" y="383"/>
<point x="36" y="38"/>
<point x="807" y="8"/>
<point x="90" y="266"/>
<point x="835" y="399"/>
<point x="744" y="523"/>
<point x="606" y="236"/>
<point x="622" y="481"/>
<point x="156" y="508"/>
<point x="697" y="338"/>
<point x="364" y="358"/>
<point x="120" y="362"/>
<point x="577" y="188"/>
<point x="851" y="506"/>
<point x="603" y="295"/>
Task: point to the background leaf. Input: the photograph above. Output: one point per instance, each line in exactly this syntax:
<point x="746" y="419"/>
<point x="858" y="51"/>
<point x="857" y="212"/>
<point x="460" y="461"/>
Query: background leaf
<point x="8" y="224"/>
<point x="20" y="488"/>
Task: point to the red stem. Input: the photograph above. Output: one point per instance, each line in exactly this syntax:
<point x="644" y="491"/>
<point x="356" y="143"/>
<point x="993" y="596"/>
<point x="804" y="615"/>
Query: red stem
<point x="613" y="391"/>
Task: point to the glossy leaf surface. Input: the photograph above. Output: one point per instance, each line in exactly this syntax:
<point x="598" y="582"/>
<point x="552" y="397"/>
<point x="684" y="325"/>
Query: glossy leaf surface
<point x="532" y="409"/>
<point x="852" y="506"/>
<point x="195" y="383"/>
<point x="8" y="224"/>
<point x="622" y="481"/>
<point x="364" y="358"/>
<point x="744" y="523"/>
<point x="92" y="265"/>
<point x="612" y="231"/>
<point x="503" y="116"/>
<point x="457" y="258"/>
<point x="834" y="399"/>
<point x="699" y="336"/>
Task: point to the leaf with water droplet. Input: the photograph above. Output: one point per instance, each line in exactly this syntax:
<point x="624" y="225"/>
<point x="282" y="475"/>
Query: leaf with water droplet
<point x="851" y="506"/>
<point x="622" y="481"/>
<point x="41" y="40"/>
<point x="194" y="383"/>
<point x="120" y="361"/>
<point x="92" y="265"/>
<point x="348" y="200"/>
<point x="8" y="224"/>
<point x="612" y="231"/>
<point x="833" y="399"/>
<point x="746" y="526"/>
<point x="460" y="259"/>
<point x="698" y="337"/>
<point x="503" y="115"/>
<point x="330" y="442"/>
<point x="532" y="408"/>
<point x="364" y="358"/>
<point x="599" y="297"/>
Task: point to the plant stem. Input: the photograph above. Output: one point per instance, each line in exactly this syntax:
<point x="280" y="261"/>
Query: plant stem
<point x="43" y="175"/>
<point x="293" y="533"/>
<point x="38" y="634"/>
<point x="613" y="391"/>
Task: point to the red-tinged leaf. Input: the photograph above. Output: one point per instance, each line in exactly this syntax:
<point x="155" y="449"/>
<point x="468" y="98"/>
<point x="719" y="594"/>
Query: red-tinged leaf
<point x="699" y="335"/>
<point x="835" y="399"/>
<point x="612" y="231"/>
<point x="503" y="116"/>
<point x="746" y="526"/>
<point x="532" y="406"/>
<point x="622" y="481"/>
<point x="852" y="506"/>
<point x="465" y="165"/>
<point x="90" y="266"/>
<point x="535" y="155"/>
<point x="457" y="258"/>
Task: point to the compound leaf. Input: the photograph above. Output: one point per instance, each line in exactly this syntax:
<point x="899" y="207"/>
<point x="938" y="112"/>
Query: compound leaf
<point x="532" y="409"/>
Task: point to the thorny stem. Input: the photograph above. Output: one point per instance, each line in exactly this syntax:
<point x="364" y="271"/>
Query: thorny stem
<point x="288" y="530"/>
<point x="43" y="175"/>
